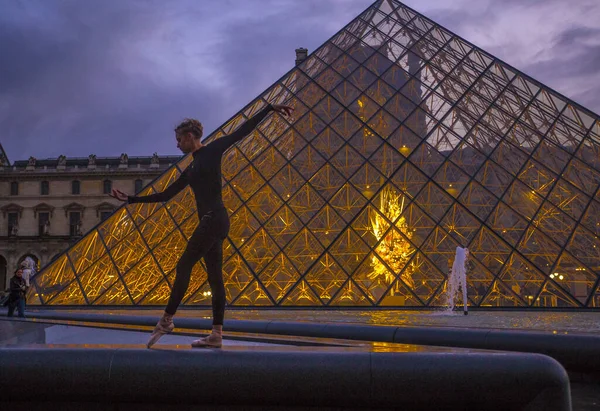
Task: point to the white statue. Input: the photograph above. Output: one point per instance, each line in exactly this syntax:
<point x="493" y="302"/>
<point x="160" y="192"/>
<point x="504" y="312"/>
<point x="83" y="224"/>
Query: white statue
<point x="29" y="269"/>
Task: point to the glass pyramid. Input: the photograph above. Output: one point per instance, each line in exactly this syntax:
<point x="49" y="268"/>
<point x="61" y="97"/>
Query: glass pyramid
<point x="407" y="141"/>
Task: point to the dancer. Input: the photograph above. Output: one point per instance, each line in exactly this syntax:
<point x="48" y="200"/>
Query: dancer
<point x="204" y="177"/>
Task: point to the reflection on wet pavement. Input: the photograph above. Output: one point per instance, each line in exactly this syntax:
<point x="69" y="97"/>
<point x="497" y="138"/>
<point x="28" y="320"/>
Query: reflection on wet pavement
<point x="561" y="322"/>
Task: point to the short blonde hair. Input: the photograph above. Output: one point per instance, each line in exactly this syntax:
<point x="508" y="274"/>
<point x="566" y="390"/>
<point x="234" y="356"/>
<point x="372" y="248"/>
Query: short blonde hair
<point x="190" y="125"/>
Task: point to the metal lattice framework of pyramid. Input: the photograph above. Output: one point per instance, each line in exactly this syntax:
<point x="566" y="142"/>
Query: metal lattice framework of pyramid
<point x="407" y="141"/>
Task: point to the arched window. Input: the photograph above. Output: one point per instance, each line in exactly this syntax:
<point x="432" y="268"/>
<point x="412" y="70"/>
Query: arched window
<point x="75" y="187"/>
<point x="107" y="186"/>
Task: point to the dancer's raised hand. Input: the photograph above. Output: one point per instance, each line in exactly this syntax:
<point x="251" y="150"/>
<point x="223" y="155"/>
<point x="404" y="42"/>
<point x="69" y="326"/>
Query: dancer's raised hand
<point x="118" y="194"/>
<point x="284" y="110"/>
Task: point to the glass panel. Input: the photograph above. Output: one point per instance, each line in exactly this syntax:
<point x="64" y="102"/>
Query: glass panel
<point x="253" y="295"/>
<point x="236" y="276"/>
<point x="551" y="156"/>
<point x="490" y="250"/>
<point x="554" y="223"/>
<point x="362" y="78"/>
<point x="290" y="144"/>
<point x="326" y="277"/>
<point x="197" y="280"/>
<point x="553" y="296"/>
<point x="269" y="162"/>
<point x="569" y="199"/>
<point x="350" y="295"/>
<point x="507" y="223"/>
<point x="328" y="109"/>
<point x="129" y="251"/>
<point x="279" y="276"/>
<point x="283" y="226"/>
<point x="116" y="295"/>
<point x="539" y="249"/>
<point x="440" y="249"/>
<point x="303" y="250"/>
<point x="71" y="295"/>
<point x="349" y="250"/>
<point x="98" y="278"/>
<point x="494" y="178"/>
<point x="169" y="251"/>
<point x="522" y="199"/>
<point x="509" y="157"/>
<point x="327" y="143"/>
<point x="182" y="205"/>
<point x="302" y="295"/>
<point x="259" y="251"/>
<point x="409" y="179"/>
<point x="479" y="280"/>
<point x="157" y="227"/>
<point x="460" y="224"/>
<point x="591" y="220"/>
<point x="367" y="180"/>
<point x="308" y="162"/>
<point x="159" y="295"/>
<point x="306" y="202"/>
<point x="415" y="224"/>
<point x="500" y="295"/>
<point x="264" y="203"/>
<point x="574" y="278"/>
<point x="242" y="226"/>
<point x="347" y="201"/>
<point x="427" y="159"/>
<point x="583" y="176"/>
<point x="86" y="251"/>
<point x="142" y="278"/>
<point x="451" y="178"/>
<point x="467" y="158"/>
<point x="329" y="79"/>
<point x="586" y="247"/>
<point x="326" y="225"/>
<point x="347" y="160"/>
<point x="373" y="277"/>
<point x="116" y="227"/>
<point x="54" y="278"/>
<point x="523" y="279"/>
<point x="434" y="201"/>
<point x="386" y="159"/>
<point x="246" y="183"/>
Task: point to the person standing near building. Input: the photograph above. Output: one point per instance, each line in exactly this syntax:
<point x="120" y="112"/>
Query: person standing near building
<point x="203" y="175"/>
<point x="16" y="298"/>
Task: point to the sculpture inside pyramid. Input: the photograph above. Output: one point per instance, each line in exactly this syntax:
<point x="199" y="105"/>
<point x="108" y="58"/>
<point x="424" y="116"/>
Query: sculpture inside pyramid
<point x="407" y="141"/>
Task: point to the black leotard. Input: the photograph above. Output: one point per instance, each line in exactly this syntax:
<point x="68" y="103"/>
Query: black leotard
<point x="204" y="172"/>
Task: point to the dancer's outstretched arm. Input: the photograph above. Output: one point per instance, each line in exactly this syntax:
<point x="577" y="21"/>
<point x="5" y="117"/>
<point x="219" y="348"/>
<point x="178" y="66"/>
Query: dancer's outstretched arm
<point x="225" y="142"/>
<point x="165" y="195"/>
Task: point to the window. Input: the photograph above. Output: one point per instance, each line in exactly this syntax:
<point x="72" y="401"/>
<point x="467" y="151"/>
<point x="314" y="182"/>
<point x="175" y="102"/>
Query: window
<point x="138" y="185"/>
<point x="45" y="188"/>
<point x="107" y="186"/>
<point x="13" y="222"/>
<point x="14" y="188"/>
<point x="74" y="223"/>
<point x="75" y="187"/>
<point x="43" y="219"/>
<point x="104" y="215"/>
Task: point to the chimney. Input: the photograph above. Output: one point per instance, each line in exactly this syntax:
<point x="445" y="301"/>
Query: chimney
<point x="301" y="54"/>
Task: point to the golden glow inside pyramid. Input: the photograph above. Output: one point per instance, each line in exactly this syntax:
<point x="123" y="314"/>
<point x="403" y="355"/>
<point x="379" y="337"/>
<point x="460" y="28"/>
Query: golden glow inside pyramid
<point x="407" y="141"/>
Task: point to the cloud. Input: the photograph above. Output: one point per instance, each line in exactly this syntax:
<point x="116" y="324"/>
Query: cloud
<point x="113" y="76"/>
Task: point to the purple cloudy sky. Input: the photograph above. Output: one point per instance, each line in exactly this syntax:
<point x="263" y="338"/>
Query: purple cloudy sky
<point x="105" y="77"/>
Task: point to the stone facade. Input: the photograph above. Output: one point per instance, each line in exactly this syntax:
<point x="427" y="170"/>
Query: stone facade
<point x="46" y="205"/>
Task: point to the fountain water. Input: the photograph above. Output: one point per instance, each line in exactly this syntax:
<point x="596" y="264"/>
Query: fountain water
<point x="458" y="278"/>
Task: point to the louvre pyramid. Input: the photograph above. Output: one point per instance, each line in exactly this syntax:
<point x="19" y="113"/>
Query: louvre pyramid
<point x="407" y="141"/>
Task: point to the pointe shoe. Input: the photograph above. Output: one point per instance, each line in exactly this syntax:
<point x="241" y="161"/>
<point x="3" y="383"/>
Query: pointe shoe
<point x="162" y="327"/>
<point x="214" y="340"/>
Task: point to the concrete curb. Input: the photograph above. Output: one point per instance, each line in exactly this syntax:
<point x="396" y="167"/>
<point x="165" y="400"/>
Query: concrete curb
<point x="579" y="353"/>
<point x="127" y="379"/>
